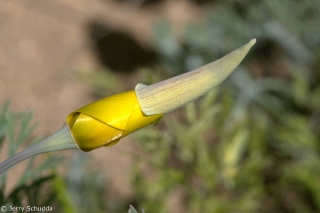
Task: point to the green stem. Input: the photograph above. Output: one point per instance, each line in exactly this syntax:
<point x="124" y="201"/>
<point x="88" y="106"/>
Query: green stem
<point x="60" y="140"/>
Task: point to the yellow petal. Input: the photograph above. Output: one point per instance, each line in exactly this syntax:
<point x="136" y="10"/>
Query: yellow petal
<point x="138" y="120"/>
<point x="104" y="122"/>
<point x="114" y="110"/>
<point x="91" y="133"/>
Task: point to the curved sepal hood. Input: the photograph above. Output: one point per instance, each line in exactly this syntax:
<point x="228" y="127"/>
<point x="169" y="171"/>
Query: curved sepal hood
<point x="171" y="94"/>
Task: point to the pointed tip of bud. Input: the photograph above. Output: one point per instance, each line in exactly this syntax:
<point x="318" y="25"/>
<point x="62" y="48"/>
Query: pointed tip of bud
<point x="252" y="42"/>
<point x="173" y="93"/>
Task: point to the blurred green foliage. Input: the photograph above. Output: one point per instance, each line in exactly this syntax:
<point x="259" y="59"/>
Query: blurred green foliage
<point x="253" y="144"/>
<point x="133" y="210"/>
<point x="102" y="83"/>
<point x="85" y="189"/>
<point x="289" y="26"/>
<point x="31" y="187"/>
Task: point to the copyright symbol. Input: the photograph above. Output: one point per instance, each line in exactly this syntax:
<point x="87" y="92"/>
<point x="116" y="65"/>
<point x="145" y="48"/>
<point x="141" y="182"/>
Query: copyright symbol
<point x="3" y="208"/>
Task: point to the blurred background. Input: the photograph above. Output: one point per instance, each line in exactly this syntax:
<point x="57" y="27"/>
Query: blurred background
<point x="251" y="145"/>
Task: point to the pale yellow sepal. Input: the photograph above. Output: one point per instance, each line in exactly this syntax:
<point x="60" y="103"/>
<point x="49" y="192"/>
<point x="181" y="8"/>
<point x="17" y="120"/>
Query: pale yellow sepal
<point x="173" y="93"/>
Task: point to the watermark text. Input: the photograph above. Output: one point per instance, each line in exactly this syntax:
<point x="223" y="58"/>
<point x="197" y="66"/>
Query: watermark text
<point x="26" y="209"/>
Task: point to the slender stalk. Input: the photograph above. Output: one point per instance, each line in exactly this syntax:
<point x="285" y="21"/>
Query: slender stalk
<point x="60" y="140"/>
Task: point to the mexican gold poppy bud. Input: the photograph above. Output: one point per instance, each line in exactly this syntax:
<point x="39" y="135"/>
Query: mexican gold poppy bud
<point x="105" y="122"/>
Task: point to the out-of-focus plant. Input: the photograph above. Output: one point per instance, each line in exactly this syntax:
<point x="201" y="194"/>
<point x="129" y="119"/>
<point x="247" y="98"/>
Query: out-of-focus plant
<point x="254" y="144"/>
<point x="133" y="210"/>
<point x="34" y="182"/>
<point x="289" y="26"/>
<point x="85" y="189"/>
<point x="222" y="158"/>
<point x="102" y="83"/>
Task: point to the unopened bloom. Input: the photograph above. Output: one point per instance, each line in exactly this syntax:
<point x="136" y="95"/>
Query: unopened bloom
<point x="105" y="122"/>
